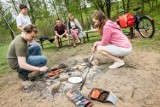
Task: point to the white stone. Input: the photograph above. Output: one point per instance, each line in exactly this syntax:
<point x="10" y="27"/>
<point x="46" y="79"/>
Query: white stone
<point x="63" y="77"/>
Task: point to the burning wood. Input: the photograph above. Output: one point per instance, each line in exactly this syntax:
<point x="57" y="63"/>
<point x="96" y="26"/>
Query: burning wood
<point x="79" y="66"/>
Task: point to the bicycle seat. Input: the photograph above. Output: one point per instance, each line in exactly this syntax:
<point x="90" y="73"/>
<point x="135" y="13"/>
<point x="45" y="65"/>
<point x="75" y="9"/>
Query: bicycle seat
<point x="135" y="9"/>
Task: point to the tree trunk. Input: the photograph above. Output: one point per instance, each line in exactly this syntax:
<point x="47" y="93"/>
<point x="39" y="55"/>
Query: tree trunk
<point x="12" y="34"/>
<point x="156" y="4"/>
<point x="81" y="15"/>
<point x="7" y="24"/>
<point x="142" y="6"/>
<point x="108" y="6"/>
<point x="96" y="5"/>
<point x="123" y="2"/>
<point x="149" y="5"/>
<point x="128" y="7"/>
<point x="31" y="11"/>
<point x="51" y="25"/>
<point x="86" y="14"/>
<point x="101" y="6"/>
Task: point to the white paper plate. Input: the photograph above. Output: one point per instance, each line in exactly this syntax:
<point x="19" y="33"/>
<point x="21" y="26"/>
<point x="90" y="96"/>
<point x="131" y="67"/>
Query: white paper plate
<point x="75" y="79"/>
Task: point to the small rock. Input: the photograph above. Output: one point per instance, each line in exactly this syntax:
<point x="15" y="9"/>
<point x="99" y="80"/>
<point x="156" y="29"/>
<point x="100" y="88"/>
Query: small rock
<point x="63" y="77"/>
<point x="62" y="65"/>
<point x="95" y="62"/>
<point x="27" y="84"/>
<point x="54" y="88"/>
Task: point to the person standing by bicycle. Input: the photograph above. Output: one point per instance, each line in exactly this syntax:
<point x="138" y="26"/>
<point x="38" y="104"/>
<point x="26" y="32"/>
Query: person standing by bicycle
<point x="114" y="44"/>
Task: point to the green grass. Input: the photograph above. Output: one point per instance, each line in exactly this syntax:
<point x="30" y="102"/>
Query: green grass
<point x="155" y="15"/>
<point x="4" y="69"/>
<point x="49" y="48"/>
<point x="148" y="43"/>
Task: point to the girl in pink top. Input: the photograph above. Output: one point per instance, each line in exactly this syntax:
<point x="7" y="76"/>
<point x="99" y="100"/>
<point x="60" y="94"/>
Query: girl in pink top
<point x="114" y="44"/>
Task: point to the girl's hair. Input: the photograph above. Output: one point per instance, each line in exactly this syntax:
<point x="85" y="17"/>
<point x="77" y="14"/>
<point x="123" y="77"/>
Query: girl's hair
<point x="101" y="17"/>
<point x="30" y="28"/>
<point x="69" y="15"/>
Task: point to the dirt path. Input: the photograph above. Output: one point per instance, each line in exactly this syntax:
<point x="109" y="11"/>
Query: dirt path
<point x="137" y="84"/>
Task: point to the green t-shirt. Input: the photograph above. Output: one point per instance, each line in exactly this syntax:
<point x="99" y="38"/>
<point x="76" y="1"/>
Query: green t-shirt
<point x="18" y="47"/>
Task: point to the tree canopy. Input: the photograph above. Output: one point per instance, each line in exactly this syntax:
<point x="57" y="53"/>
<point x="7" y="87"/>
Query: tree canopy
<point x="43" y="13"/>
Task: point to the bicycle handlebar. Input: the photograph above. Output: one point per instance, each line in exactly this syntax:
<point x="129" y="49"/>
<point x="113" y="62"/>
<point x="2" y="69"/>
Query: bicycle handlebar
<point x="124" y="11"/>
<point x="137" y="8"/>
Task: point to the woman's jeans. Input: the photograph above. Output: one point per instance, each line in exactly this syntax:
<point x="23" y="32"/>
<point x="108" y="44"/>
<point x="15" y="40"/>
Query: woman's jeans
<point x="34" y="58"/>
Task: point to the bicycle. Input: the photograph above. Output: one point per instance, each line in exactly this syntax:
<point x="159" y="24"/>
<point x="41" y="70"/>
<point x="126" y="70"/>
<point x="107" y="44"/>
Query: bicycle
<point x="143" y="24"/>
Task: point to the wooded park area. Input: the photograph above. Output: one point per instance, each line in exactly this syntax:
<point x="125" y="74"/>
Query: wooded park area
<point x="135" y="82"/>
<point x="43" y="13"/>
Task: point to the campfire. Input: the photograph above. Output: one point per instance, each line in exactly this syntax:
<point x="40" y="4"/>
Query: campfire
<point x="58" y="78"/>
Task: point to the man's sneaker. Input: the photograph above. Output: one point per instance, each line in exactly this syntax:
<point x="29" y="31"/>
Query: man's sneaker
<point x="57" y="49"/>
<point x="26" y="78"/>
<point x="117" y="64"/>
<point x="69" y="46"/>
<point x="23" y="77"/>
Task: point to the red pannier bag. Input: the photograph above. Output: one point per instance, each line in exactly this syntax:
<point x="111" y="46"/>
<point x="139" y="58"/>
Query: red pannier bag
<point x="130" y="19"/>
<point x="123" y="21"/>
<point x="126" y="20"/>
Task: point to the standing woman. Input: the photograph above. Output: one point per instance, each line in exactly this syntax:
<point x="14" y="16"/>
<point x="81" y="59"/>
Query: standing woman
<point x="74" y="28"/>
<point x="114" y="44"/>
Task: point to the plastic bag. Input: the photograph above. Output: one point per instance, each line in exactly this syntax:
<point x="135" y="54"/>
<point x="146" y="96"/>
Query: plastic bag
<point x="126" y="20"/>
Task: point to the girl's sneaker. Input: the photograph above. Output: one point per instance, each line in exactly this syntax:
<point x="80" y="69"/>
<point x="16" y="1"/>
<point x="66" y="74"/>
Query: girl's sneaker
<point x="117" y="64"/>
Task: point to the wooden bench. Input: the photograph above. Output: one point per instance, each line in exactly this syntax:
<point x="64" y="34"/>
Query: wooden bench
<point x="84" y="37"/>
<point x="61" y="40"/>
<point x="88" y="32"/>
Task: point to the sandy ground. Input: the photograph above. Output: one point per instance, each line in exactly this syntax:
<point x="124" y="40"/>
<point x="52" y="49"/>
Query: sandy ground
<point x="137" y="84"/>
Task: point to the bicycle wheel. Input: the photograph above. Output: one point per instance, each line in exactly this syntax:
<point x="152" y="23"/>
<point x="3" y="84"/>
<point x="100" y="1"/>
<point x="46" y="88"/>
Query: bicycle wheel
<point x="146" y="27"/>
